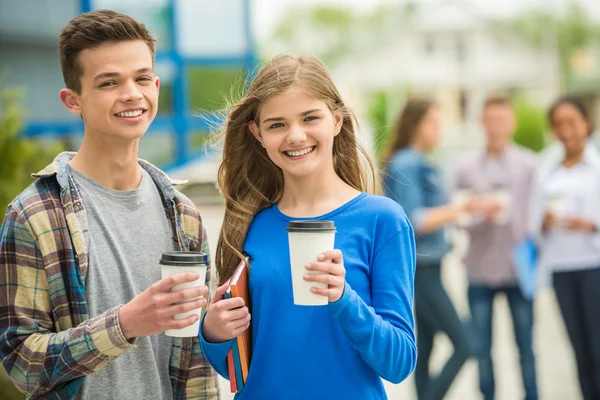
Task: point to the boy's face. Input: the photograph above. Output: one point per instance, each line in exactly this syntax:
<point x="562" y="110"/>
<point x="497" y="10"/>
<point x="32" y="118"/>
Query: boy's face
<point x="119" y="92"/>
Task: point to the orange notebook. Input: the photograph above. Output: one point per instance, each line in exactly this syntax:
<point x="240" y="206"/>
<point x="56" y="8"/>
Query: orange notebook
<point x="239" y="288"/>
<point x="231" y="362"/>
<point x="231" y="368"/>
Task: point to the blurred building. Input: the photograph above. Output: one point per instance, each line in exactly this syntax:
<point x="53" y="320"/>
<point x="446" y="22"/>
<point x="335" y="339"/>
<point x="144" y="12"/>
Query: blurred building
<point x="584" y="77"/>
<point x="205" y="48"/>
<point x="459" y="57"/>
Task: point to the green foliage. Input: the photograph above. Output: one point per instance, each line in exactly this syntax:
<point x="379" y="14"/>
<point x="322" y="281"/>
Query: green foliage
<point x="210" y="88"/>
<point x="20" y="157"/>
<point x="379" y="120"/>
<point x="334" y="25"/>
<point x="567" y="31"/>
<point x="531" y="128"/>
<point x="332" y="33"/>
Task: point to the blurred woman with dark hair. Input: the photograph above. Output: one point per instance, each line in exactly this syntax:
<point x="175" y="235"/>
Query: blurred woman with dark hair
<point x="417" y="185"/>
<point x="565" y="221"/>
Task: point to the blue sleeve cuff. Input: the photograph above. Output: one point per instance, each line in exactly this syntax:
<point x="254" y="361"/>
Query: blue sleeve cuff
<point x="215" y="352"/>
<point x="337" y="306"/>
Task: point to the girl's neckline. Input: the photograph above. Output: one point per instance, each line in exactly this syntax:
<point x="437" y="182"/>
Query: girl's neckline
<point x="328" y="215"/>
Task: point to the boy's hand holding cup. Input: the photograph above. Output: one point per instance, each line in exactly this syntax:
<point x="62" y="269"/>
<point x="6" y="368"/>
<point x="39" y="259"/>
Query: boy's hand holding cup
<point x="173" y="304"/>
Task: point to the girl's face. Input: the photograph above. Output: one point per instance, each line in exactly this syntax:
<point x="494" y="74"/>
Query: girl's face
<point x="429" y="129"/>
<point x="297" y="130"/>
<point x="570" y="127"/>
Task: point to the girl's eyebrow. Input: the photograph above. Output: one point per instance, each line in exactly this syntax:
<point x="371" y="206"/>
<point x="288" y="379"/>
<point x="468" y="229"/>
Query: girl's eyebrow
<point x="302" y="114"/>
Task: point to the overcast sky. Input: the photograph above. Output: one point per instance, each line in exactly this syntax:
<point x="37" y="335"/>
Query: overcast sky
<point x="266" y="13"/>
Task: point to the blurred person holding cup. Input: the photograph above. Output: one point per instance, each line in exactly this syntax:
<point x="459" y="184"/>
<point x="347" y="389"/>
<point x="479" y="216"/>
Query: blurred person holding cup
<point x="417" y="185"/>
<point x="502" y="176"/>
<point x="565" y="218"/>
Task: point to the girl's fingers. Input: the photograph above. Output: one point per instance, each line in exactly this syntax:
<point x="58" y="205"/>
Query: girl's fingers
<point x="330" y="280"/>
<point x="327" y="268"/>
<point x="334" y="255"/>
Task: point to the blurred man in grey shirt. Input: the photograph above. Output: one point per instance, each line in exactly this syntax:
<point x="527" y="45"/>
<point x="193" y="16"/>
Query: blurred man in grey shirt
<point x="503" y="175"/>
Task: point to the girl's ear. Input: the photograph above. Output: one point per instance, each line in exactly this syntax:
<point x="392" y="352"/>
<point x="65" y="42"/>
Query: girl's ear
<point x="339" y="121"/>
<point x="256" y="132"/>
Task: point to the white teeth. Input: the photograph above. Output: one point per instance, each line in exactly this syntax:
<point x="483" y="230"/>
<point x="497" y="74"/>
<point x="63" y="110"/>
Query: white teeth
<point x="300" y="152"/>
<point x="130" y="113"/>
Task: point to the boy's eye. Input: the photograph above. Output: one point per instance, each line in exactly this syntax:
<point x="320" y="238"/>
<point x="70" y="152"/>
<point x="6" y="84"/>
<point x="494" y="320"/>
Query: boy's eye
<point x="107" y="84"/>
<point x="276" y="125"/>
<point x="145" y="78"/>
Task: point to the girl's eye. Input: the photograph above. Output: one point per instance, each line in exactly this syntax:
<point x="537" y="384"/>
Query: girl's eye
<point x="311" y="118"/>
<point x="276" y="125"/>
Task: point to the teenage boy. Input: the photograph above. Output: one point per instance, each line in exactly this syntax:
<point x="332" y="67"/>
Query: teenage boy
<point x="83" y="304"/>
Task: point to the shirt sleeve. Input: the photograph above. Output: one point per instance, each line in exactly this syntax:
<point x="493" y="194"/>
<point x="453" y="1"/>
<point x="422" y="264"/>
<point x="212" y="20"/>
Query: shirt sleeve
<point x="38" y="359"/>
<point x="202" y="380"/>
<point x="216" y="353"/>
<point x="383" y="333"/>
<point x="403" y="184"/>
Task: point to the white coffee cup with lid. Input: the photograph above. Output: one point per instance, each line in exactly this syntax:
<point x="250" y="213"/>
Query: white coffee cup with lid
<point x="308" y="239"/>
<point x="175" y="262"/>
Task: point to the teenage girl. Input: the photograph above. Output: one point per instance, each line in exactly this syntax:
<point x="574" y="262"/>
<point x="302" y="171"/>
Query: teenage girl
<point x="290" y="153"/>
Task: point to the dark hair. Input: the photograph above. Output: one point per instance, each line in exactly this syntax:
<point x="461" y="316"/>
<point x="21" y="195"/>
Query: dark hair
<point x="90" y="30"/>
<point x="496" y="101"/>
<point x="406" y="127"/>
<point x="575" y="102"/>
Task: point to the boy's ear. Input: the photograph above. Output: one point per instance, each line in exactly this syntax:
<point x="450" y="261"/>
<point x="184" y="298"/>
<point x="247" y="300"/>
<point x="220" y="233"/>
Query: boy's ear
<point x="256" y="132"/>
<point x="71" y="100"/>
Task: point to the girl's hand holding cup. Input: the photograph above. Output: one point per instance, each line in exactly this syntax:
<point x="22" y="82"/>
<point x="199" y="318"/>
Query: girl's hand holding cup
<point x="333" y="274"/>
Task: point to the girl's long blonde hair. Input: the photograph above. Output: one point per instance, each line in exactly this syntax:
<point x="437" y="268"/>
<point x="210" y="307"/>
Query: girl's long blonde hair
<point x="249" y="181"/>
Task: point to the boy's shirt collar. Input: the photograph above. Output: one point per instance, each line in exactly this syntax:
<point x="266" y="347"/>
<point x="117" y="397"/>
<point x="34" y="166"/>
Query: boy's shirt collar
<point x="60" y="164"/>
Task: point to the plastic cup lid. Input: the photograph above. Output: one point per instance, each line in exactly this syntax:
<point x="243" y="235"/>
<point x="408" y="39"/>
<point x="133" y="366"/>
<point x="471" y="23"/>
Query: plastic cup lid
<point x="184" y="258"/>
<point x="311" y="226"/>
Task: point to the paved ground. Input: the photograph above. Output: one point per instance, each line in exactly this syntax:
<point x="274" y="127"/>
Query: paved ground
<point x="557" y="377"/>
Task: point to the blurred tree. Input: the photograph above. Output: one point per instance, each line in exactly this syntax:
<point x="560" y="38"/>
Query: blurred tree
<point x="19" y="157"/>
<point x="531" y="125"/>
<point x="379" y="120"/>
<point x="569" y="31"/>
<point x="331" y="33"/>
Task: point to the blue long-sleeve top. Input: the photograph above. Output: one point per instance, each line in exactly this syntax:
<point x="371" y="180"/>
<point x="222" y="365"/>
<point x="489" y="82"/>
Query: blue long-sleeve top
<point x="416" y="184"/>
<point x="341" y="350"/>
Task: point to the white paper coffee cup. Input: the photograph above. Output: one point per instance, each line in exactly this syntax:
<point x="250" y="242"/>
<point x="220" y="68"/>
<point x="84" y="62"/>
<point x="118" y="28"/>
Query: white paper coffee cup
<point x="503" y="198"/>
<point x="175" y="262"/>
<point x="308" y="239"/>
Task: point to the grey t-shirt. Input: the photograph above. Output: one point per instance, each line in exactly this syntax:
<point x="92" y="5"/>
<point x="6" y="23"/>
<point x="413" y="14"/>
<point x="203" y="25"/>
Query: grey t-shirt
<point x="128" y="232"/>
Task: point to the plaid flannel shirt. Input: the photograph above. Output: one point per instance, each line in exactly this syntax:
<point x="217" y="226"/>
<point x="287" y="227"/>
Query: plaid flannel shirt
<point x="48" y="344"/>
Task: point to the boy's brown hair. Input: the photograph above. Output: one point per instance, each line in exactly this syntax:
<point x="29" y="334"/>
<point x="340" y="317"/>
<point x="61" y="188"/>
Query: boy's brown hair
<point x="90" y="30"/>
<point x="497" y="100"/>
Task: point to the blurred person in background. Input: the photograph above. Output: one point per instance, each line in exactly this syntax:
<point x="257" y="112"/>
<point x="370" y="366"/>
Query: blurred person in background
<point x="418" y="186"/>
<point x="503" y="175"/>
<point x="565" y="220"/>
